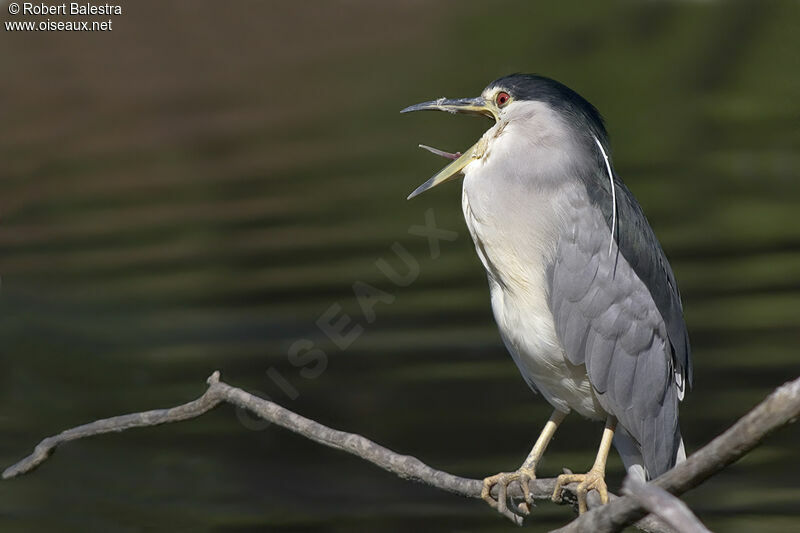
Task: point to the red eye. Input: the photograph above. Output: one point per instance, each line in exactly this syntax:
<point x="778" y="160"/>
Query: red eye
<point x="502" y="98"/>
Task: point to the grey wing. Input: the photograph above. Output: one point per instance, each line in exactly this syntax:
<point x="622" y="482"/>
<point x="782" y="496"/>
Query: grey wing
<point x="607" y="319"/>
<point x="640" y="247"/>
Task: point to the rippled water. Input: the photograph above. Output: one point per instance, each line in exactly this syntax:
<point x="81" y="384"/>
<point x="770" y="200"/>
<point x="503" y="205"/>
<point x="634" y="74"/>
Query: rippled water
<point x="194" y="190"/>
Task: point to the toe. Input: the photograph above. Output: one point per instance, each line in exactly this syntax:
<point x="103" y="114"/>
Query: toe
<point x="502" y="493"/>
<point x="500" y="483"/>
<point x="524" y="508"/>
<point x="583" y="489"/>
<point x="525" y="483"/>
<point x="599" y="484"/>
<point x="486" y="491"/>
<point x="603" y="490"/>
<point x="561" y="481"/>
<point x="557" y="493"/>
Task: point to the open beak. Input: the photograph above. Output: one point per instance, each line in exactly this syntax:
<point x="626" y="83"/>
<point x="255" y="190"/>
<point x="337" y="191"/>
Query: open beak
<point x="471" y="106"/>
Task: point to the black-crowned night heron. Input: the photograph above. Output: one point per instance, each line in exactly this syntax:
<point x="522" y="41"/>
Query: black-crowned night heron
<point x="583" y="295"/>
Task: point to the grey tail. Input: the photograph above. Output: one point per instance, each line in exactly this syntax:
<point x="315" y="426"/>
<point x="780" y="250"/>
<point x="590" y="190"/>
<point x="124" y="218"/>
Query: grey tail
<point x="632" y="458"/>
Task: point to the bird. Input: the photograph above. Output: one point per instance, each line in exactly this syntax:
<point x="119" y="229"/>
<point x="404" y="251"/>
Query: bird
<point x="584" y="297"/>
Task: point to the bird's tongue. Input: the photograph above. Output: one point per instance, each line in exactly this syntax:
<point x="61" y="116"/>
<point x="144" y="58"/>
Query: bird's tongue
<point x="446" y="155"/>
<point x="454" y="168"/>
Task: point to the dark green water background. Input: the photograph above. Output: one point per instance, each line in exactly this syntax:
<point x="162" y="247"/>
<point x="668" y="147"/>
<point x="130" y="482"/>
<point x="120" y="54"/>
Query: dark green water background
<point x="192" y="190"/>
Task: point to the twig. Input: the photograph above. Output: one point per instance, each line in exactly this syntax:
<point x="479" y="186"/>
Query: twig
<point x="187" y="411"/>
<point x="778" y="409"/>
<point x="661" y="503"/>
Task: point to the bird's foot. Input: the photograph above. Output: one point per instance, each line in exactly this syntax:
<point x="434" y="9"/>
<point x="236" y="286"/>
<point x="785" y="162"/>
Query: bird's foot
<point x="523" y="476"/>
<point x="593" y="479"/>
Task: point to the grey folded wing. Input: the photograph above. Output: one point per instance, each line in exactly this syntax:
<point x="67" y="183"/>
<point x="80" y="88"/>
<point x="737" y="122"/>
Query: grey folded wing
<point x="606" y="317"/>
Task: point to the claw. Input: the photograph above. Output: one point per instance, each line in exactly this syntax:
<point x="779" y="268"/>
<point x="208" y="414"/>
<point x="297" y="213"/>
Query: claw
<point x="593" y="479"/>
<point x="525" y="482"/>
<point x="502" y="495"/>
<point x="502" y="481"/>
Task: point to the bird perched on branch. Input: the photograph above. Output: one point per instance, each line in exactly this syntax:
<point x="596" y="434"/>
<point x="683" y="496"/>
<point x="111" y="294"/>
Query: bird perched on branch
<point x="583" y="295"/>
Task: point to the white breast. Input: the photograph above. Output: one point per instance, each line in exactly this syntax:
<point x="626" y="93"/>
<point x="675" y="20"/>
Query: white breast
<point x="515" y="225"/>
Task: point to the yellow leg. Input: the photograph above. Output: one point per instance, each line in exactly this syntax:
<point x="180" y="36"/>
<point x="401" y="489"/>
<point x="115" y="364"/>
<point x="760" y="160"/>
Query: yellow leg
<point x="524" y="474"/>
<point x="544" y="439"/>
<point x="595" y="477"/>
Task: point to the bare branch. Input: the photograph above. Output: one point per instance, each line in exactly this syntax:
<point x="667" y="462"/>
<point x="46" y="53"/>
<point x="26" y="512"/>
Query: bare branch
<point x="404" y="466"/>
<point x="661" y="503"/>
<point x="778" y="409"/>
